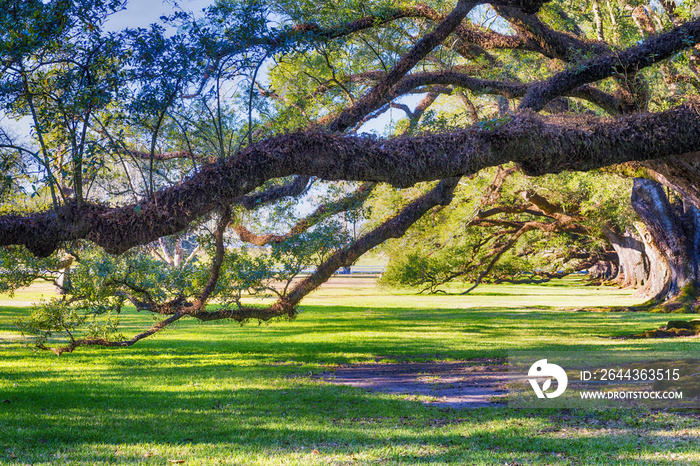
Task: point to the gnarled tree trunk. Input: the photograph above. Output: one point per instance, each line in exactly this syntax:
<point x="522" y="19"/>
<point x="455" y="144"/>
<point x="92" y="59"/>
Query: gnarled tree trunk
<point x="659" y="272"/>
<point x="633" y="270"/>
<point x="603" y="271"/>
<point x="670" y="233"/>
<point x="62" y="283"/>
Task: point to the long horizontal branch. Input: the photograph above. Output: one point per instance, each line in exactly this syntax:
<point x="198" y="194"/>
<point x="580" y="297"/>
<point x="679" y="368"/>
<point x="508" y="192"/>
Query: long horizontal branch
<point x="539" y="144"/>
<point x="569" y="225"/>
<point x="653" y="50"/>
<point x="607" y="102"/>
<point x="294" y="188"/>
<point x="180" y="154"/>
<point x="110" y="343"/>
<point x="508" y="209"/>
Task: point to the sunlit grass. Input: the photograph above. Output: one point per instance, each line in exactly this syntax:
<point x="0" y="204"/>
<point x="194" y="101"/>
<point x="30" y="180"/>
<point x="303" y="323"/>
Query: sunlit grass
<point x="220" y="393"/>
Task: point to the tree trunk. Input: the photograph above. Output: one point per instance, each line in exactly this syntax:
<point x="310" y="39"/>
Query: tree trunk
<point x="633" y="270"/>
<point x="62" y="282"/>
<point x="603" y="270"/>
<point x="670" y="233"/>
<point x="659" y="272"/>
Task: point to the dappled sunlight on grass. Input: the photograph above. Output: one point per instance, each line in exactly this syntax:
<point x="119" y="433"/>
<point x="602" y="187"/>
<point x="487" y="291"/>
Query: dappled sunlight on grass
<point x="221" y="393"/>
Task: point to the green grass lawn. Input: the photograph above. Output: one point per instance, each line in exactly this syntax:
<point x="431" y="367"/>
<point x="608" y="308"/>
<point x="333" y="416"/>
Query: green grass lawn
<point x="220" y="393"/>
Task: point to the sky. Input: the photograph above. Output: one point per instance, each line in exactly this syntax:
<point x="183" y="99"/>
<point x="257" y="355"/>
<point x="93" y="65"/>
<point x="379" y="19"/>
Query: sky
<point x="141" y="13"/>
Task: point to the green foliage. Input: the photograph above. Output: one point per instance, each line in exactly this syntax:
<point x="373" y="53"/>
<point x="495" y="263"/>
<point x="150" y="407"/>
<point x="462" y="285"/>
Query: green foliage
<point x="19" y="268"/>
<point x="59" y="318"/>
<point x="102" y="284"/>
<point x="452" y="243"/>
<point x="311" y="247"/>
<point x="420" y="271"/>
<point x="102" y="105"/>
<point x="242" y="273"/>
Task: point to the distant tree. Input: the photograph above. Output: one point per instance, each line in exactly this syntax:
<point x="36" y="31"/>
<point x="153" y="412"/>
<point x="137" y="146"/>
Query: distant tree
<point x="520" y="230"/>
<point x="224" y="118"/>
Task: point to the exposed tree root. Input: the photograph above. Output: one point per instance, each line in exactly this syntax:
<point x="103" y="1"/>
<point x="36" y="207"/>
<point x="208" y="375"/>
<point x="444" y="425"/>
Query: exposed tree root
<point x="674" y="328"/>
<point x="685" y="302"/>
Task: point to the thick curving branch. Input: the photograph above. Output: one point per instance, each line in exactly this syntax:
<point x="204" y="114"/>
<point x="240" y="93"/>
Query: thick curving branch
<point x="511" y="90"/>
<point x="298" y="186"/>
<point x="217" y="260"/>
<point x="539" y="144"/>
<point x="394" y="227"/>
<point x="537" y="36"/>
<point x="76" y="343"/>
<point x="391" y="228"/>
<point x="286" y="306"/>
<point x="630" y="61"/>
<point x="353" y="115"/>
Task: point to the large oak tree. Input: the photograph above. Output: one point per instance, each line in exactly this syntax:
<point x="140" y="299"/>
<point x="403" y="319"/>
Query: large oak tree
<point x="143" y="134"/>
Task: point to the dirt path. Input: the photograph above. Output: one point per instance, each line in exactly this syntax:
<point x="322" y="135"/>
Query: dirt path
<point x="462" y="384"/>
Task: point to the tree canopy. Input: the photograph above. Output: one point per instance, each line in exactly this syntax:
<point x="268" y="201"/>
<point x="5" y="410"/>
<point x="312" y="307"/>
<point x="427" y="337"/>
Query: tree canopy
<point x="168" y="146"/>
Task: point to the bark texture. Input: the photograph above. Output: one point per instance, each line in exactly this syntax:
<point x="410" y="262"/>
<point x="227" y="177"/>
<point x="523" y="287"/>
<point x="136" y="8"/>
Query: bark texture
<point x="630" y="61"/>
<point x="539" y="144"/>
<point x="670" y="232"/>
<point x="633" y="270"/>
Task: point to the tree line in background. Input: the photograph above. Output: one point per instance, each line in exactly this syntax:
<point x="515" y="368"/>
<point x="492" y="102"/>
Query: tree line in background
<point x="181" y="167"/>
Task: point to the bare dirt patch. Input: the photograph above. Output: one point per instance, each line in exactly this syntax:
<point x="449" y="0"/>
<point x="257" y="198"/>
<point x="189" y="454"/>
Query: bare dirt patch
<point x="456" y="384"/>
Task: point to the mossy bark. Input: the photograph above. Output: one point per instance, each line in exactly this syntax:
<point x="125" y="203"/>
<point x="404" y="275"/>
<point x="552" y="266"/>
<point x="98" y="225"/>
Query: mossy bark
<point x="633" y="270"/>
<point x="680" y="173"/>
<point x="659" y="276"/>
<point x="674" y="328"/>
<point x="671" y="235"/>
